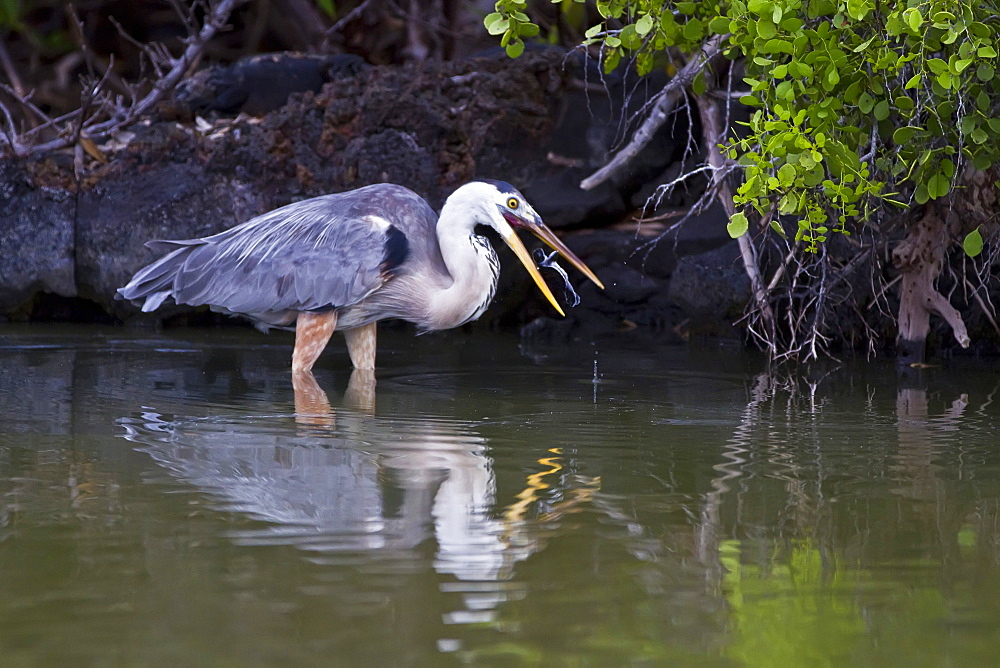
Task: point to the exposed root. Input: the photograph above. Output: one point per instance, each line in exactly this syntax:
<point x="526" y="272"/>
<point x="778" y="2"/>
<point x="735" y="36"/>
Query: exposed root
<point x="919" y="258"/>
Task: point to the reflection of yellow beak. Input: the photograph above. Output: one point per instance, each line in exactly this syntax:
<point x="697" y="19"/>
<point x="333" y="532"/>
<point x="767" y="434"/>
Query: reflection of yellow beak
<point x="522" y="254"/>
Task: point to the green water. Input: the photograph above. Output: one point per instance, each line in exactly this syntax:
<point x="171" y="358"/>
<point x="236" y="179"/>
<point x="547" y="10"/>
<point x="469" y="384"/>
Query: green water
<point x="601" y="503"/>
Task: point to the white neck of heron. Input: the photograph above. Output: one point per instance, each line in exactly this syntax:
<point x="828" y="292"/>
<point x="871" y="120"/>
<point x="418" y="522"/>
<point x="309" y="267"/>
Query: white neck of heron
<point x="472" y="264"/>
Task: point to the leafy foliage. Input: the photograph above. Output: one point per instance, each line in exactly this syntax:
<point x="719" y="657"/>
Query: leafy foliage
<point x="857" y="105"/>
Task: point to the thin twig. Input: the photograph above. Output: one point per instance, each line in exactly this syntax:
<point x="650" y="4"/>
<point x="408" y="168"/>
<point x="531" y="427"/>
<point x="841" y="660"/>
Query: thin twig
<point x="350" y="16"/>
<point x="982" y="305"/>
<point x="10" y="133"/>
<point x="155" y="59"/>
<point x="780" y="272"/>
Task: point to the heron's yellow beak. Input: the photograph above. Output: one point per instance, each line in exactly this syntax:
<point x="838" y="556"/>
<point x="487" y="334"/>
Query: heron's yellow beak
<point x="525" y="257"/>
<point x="539" y="229"/>
<point x="535" y="225"/>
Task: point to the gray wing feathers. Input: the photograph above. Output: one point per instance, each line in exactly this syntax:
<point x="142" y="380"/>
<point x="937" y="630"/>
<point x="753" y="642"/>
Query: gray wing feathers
<point x="323" y="253"/>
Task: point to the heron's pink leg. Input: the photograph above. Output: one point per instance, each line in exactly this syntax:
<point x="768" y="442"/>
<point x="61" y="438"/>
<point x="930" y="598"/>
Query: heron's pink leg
<point x="361" y="346"/>
<point x="312" y="333"/>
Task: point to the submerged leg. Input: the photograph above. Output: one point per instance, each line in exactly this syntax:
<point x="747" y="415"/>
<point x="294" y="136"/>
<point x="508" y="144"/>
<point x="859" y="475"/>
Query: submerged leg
<point x="361" y="346"/>
<point x="312" y="407"/>
<point x="312" y="333"/>
<point x="360" y="394"/>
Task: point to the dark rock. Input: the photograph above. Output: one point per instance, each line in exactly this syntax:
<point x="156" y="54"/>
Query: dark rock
<point x="558" y="198"/>
<point x="391" y="156"/>
<point x="626" y="285"/>
<point x="711" y="285"/>
<point x="172" y="201"/>
<point x="36" y="238"/>
<point x="547" y="331"/>
<point x="262" y="83"/>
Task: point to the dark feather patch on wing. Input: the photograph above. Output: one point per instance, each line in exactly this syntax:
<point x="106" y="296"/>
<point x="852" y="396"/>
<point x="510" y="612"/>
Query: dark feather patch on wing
<point x="397" y="250"/>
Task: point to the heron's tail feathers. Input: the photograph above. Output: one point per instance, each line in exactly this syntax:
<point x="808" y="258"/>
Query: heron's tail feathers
<point x="154" y="284"/>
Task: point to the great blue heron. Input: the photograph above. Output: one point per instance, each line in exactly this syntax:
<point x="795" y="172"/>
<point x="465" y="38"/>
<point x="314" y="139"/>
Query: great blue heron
<point x="347" y="260"/>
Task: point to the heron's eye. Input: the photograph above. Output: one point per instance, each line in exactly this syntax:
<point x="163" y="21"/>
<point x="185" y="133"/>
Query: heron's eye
<point x="512" y="203"/>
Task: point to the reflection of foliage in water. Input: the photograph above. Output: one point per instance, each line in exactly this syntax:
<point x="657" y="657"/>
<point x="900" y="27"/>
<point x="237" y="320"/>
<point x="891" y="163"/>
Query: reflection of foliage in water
<point x="792" y="610"/>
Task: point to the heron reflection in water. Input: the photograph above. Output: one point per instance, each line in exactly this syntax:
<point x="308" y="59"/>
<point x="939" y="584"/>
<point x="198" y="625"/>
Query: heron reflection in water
<point x="347" y="260"/>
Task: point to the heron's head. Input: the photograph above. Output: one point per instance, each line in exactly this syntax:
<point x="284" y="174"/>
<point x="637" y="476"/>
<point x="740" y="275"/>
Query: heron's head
<point x="507" y="211"/>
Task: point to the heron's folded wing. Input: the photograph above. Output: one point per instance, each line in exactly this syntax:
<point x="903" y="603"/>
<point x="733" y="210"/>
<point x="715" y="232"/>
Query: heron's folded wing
<point x="311" y="260"/>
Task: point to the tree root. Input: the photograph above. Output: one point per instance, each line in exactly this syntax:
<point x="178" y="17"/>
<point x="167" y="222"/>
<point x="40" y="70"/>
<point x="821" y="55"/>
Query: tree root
<point x="919" y="258"/>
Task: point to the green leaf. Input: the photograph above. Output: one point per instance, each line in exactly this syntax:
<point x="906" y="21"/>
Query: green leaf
<point x="864" y="45"/>
<point x="865" y="103"/>
<point x="630" y="39"/>
<point x="986" y="51"/>
<point x="777" y="46"/>
<point x="698" y="84"/>
<point x="719" y="25"/>
<point x="973" y="243"/>
<point x="938" y="185"/>
<point x="788" y="204"/>
<point x="786" y="175"/>
<point x="980" y="30"/>
<point x="881" y="110"/>
<point x="982" y="162"/>
<point x="904" y="134"/>
<point x="498" y="25"/>
<point x="937" y="66"/>
<point x="515" y="49"/>
<point x="913" y="18"/>
<point x="738" y="225"/>
<point x="693" y="30"/>
<point x="644" y="25"/>
<point x="858" y="9"/>
<point x="766" y="29"/>
<point x="903" y="103"/>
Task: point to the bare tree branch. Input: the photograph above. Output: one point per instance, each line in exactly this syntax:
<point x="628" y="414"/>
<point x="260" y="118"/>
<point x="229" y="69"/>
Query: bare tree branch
<point x="215" y="19"/>
<point x="666" y="100"/>
<point x="712" y="135"/>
